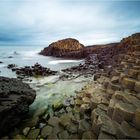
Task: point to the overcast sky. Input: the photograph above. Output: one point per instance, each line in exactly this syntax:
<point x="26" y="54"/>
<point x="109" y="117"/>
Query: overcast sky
<point x="44" y="21"/>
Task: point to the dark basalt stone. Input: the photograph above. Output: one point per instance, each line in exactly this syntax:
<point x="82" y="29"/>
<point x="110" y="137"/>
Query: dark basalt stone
<point x="36" y="70"/>
<point x="15" y="98"/>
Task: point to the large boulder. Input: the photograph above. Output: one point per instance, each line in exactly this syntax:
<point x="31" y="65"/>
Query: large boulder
<point x="68" y="48"/>
<point x="15" y="98"/>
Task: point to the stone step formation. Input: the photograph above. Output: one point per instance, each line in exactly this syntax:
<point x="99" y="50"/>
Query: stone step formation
<point x="107" y="108"/>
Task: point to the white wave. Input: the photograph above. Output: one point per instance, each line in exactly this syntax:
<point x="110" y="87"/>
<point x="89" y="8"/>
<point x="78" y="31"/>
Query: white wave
<point x="54" y="62"/>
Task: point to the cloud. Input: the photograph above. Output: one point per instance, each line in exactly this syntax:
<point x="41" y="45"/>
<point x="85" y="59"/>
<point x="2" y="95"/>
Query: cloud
<point x="44" y="21"/>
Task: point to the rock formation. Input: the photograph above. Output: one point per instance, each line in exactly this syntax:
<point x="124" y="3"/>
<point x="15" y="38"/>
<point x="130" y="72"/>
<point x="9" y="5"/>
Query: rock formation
<point x="36" y="70"/>
<point x="67" y="48"/>
<point x="107" y="108"/>
<point x="15" y="98"/>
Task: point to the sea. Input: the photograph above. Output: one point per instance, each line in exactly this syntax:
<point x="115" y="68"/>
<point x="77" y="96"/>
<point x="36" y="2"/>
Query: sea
<point x="28" y="56"/>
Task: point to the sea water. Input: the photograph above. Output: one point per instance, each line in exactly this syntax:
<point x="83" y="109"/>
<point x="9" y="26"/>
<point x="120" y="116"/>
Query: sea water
<point x="49" y="89"/>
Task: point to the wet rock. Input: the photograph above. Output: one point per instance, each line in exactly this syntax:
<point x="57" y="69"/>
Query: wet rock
<point x="110" y="127"/>
<point x="76" y="109"/>
<point x="40" y="112"/>
<point x="20" y="137"/>
<point x="98" y="118"/>
<point x="85" y="108"/>
<point x="84" y="125"/>
<point x="137" y="87"/>
<point x="53" y="121"/>
<point x="46" y="131"/>
<point x="10" y="56"/>
<point x="65" y="120"/>
<point x="5" y="138"/>
<point x="133" y="73"/>
<point x="57" y="106"/>
<point x="74" y="136"/>
<point x="15" y="98"/>
<point x="26" y="130"/>
<point x="63" y="135"/>
<point x="53" y="136"/>
<point x="130" y="131"/>
<point x="10" y="66"/>
<point x="33" y="134"/>
<point x="123" y="111"/>
<point x="58" y="128"/>
<point x="106" y="136"/>
<point x="41" y="125"/>
<point x="68" y="109"/>
<point x="137" y="119"/>
<point x="88" y="135"/>
<point x="86" y="100"/>
<point x="78" y="102"/>
<point x="32" y="122"/>
<point x="35" y="71"/>
<point x="72" y="128"/>
<point x="115" y="79"/>
<point x="128" y="83"/>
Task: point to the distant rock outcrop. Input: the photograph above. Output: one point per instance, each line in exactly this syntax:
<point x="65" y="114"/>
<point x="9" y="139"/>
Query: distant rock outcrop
<point x="67" y="48"/>
<point x="15" y="98"/>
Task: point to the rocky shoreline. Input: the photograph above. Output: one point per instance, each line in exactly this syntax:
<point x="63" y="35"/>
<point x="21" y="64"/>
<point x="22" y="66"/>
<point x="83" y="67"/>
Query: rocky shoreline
<point x="108" y="107"/>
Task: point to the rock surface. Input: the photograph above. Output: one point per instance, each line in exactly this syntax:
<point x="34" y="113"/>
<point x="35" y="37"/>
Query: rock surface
<point x="36" y="70"/>
<point x="68" y="48"/>
<point x="15" y="98"/>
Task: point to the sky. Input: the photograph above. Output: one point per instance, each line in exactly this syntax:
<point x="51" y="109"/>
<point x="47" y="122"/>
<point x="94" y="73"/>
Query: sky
<point x="41" y="22"/>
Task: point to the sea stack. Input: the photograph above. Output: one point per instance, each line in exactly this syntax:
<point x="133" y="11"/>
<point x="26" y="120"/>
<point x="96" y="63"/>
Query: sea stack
<point x="66" y="48"/>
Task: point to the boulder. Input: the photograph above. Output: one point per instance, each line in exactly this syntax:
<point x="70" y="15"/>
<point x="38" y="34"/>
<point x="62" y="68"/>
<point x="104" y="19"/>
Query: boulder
<point x="46" y="131"/>
<point x="72" y="128"/>
<point x="133" y="73"/>
<point x="137" y="87"/>
<point x="65" y="120"/>
<point x="137" y="119"/>
<point x="115" y="79"/>
<point x="53" y="121"/>
<point x="128" y="83"/>
<point x="123" y="112"/>
<point x="129" y="131"/>
<point x="63" y="135"/>
<point x="84" y="125"/>
<point x="15" y="98"/>
<point x="89" y="135"/>
<point x="33" y="134"/>
<point x="106" y="136"/>
<point x="32" y="122"/>
<point x="26" y="130"/>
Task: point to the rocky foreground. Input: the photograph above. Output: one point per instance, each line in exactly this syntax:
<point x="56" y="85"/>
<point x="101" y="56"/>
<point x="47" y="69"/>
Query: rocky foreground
<point x="15" y="98"/>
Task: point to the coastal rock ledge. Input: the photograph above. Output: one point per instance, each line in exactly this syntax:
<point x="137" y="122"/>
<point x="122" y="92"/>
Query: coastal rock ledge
<point x="15" y="98"/>
<point x="67" y="48"/>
